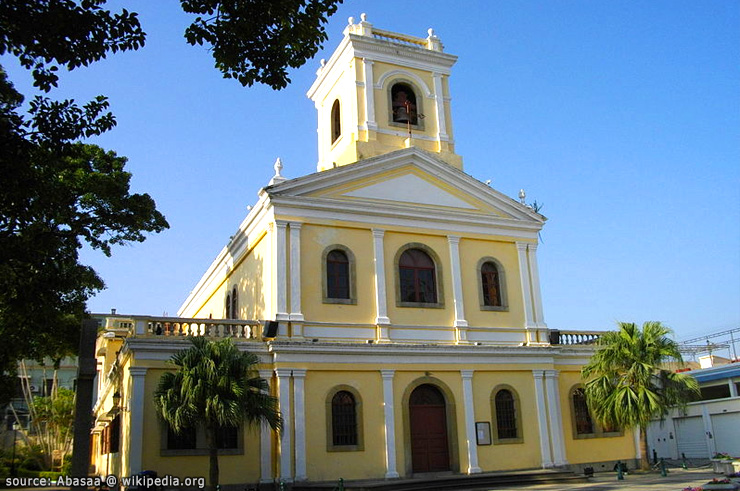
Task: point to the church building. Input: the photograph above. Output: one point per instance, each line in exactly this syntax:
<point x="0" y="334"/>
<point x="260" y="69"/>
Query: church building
<point x="408" y="333"/>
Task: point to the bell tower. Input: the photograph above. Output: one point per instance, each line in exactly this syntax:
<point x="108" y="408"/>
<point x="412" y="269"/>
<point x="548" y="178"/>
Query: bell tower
<point x="382" y="91"/>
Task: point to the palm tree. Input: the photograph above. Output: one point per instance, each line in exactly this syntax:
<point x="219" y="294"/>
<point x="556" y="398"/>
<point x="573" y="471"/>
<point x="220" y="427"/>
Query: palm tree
<point x="627" y="382"/>
<point x="217" y="386"/>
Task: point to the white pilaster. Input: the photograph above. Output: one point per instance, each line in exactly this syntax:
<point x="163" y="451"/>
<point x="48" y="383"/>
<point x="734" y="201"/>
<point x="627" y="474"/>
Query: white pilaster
<point x="461" y="332"/>
<point x="390" y="424"/>
<point x="296" y="317"/>
<point x="555" y="418"/>
<point x="281" y="271"/>
<point x="265" y="439"/>
<point x="440" y="107"/>
<point x="539" y="393"/>
<point x="136" y="413"/>
<point x="369" y="95"/>
<point x="380" y="290"/>
<point x="521" y="248"/>
<point x="283" y="375"/>
<point x="539" y="316"/>
<point x="472" y="444"/>
<point x="299" y="377"/>
<point x="708" y="435"/>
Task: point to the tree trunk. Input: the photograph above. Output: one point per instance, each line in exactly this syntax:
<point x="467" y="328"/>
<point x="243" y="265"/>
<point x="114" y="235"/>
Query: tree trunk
<point x="644" y="460"/>
<point x="212" y="457"/>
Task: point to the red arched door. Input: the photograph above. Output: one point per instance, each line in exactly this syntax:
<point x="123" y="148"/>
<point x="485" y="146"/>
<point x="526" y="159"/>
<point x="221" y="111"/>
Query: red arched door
<point x="428" y="415"/>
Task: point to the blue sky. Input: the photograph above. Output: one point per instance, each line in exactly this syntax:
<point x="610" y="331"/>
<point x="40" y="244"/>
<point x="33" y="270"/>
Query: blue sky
<point x="621" y="118"/>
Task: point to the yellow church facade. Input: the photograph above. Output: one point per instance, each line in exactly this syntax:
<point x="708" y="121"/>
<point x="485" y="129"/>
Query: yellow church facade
<point x="409" y="333"/>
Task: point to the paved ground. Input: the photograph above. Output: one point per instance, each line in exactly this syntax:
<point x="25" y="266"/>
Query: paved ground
<point x="677" y="480"/>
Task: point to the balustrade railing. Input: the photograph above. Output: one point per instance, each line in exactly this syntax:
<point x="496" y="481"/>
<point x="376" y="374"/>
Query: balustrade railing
<point x="574" y="338"/>
<point x="399" y="38"/>
<point x="143" y="326"/>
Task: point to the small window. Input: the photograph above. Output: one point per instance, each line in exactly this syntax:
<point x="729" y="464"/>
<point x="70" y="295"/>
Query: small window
<point x="115" y="435"/>
<point x="228" y="306"/>
<point x="417" y="276"/>
<point x="506" y="415"/>
<point x="491" y="285"/>
<point x="584" y="423"/>
<point x="227" y="437"/>
<point x="336" y="122"/>
<point x="337" y="274"/>
<point x="185" y="440"/>
<point x="343" y="419"/>
<point x="403" y="104"/>
<point x="234" y="304"/>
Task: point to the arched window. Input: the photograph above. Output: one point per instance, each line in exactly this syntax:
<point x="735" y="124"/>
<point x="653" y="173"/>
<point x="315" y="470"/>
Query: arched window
<point x="337" y="274"/>
<point x="416" y="272"/>
<point x="584" y="425"/>
<point x="403" y="104"/>
<point x="491" y="285"/>
<point x="506" y="415"/>
<point x="228" y="306"/>
<point x="344" y="419"/>
<point x="336" y="121"/>
<point x="234" y="304"/>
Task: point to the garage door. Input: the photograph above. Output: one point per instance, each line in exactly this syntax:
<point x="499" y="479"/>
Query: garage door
<point x="690" y="437"/>
<point x="726" y="432"/>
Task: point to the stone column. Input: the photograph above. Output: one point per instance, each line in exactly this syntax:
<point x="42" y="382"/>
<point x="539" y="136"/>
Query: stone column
<point x="539" y="392"/>
<point x="381" y="305"/>
<point x="136" y="413"/>
<point x="266" y="439"/>
<point x="461" y="331"/>
<point x="555" y="418"/>
<point x="296" y="317"/>
<point x="390" y="424"/>
<point x="283" y="375"/>
<point x="299" y="377"/>
<point x="472" y="444"/>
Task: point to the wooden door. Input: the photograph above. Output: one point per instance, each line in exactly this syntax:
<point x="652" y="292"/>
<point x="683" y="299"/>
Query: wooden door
<point x="428" y="415"/>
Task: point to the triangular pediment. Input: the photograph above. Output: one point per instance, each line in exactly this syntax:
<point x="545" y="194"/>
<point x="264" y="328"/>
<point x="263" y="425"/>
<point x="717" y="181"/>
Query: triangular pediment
<point x="410" y="180"/>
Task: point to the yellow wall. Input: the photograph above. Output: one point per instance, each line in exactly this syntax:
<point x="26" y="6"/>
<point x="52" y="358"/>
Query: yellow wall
<point x="524" y="455"/>
<point x="314" y="240"/>
<point x="323" y="465"/>
<point x="251" y="276"/>
<point x="471" y="252"/>
<point x="393" y="241"/>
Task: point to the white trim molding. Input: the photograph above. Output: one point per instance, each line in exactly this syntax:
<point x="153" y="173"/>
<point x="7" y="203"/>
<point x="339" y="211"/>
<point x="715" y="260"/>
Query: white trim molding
<point x="381" y="298"/>
<point x="472" y="445"/>
<point x="539" y="392"/>
<point x="266" y="439"/>
<point x="299" y="406"/>
<point x="461" y="335"/>
<point x="285" y="446"/>
<point x="391" y="471"/>
<point x="136" y="414"/>
<point x="555" y="416"/>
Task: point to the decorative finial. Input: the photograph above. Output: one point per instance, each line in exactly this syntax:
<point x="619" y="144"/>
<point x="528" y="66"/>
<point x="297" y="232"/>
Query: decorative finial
<point x="323" y="62"/>
<point x="430" y="31"/>
<point x="278" y="177"/>
<point x="351" y="20"/>
<point x="488" y="182"/>
<point x="363" y="17"/>
<point x="522" y="196"/>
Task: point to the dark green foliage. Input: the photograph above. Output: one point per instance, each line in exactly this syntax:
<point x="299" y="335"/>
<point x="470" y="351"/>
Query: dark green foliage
<point x="256" y="40"/>
<point x="47" y="34"/>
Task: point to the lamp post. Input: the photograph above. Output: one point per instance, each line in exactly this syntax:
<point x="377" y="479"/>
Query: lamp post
<point x="12" y="461"/>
